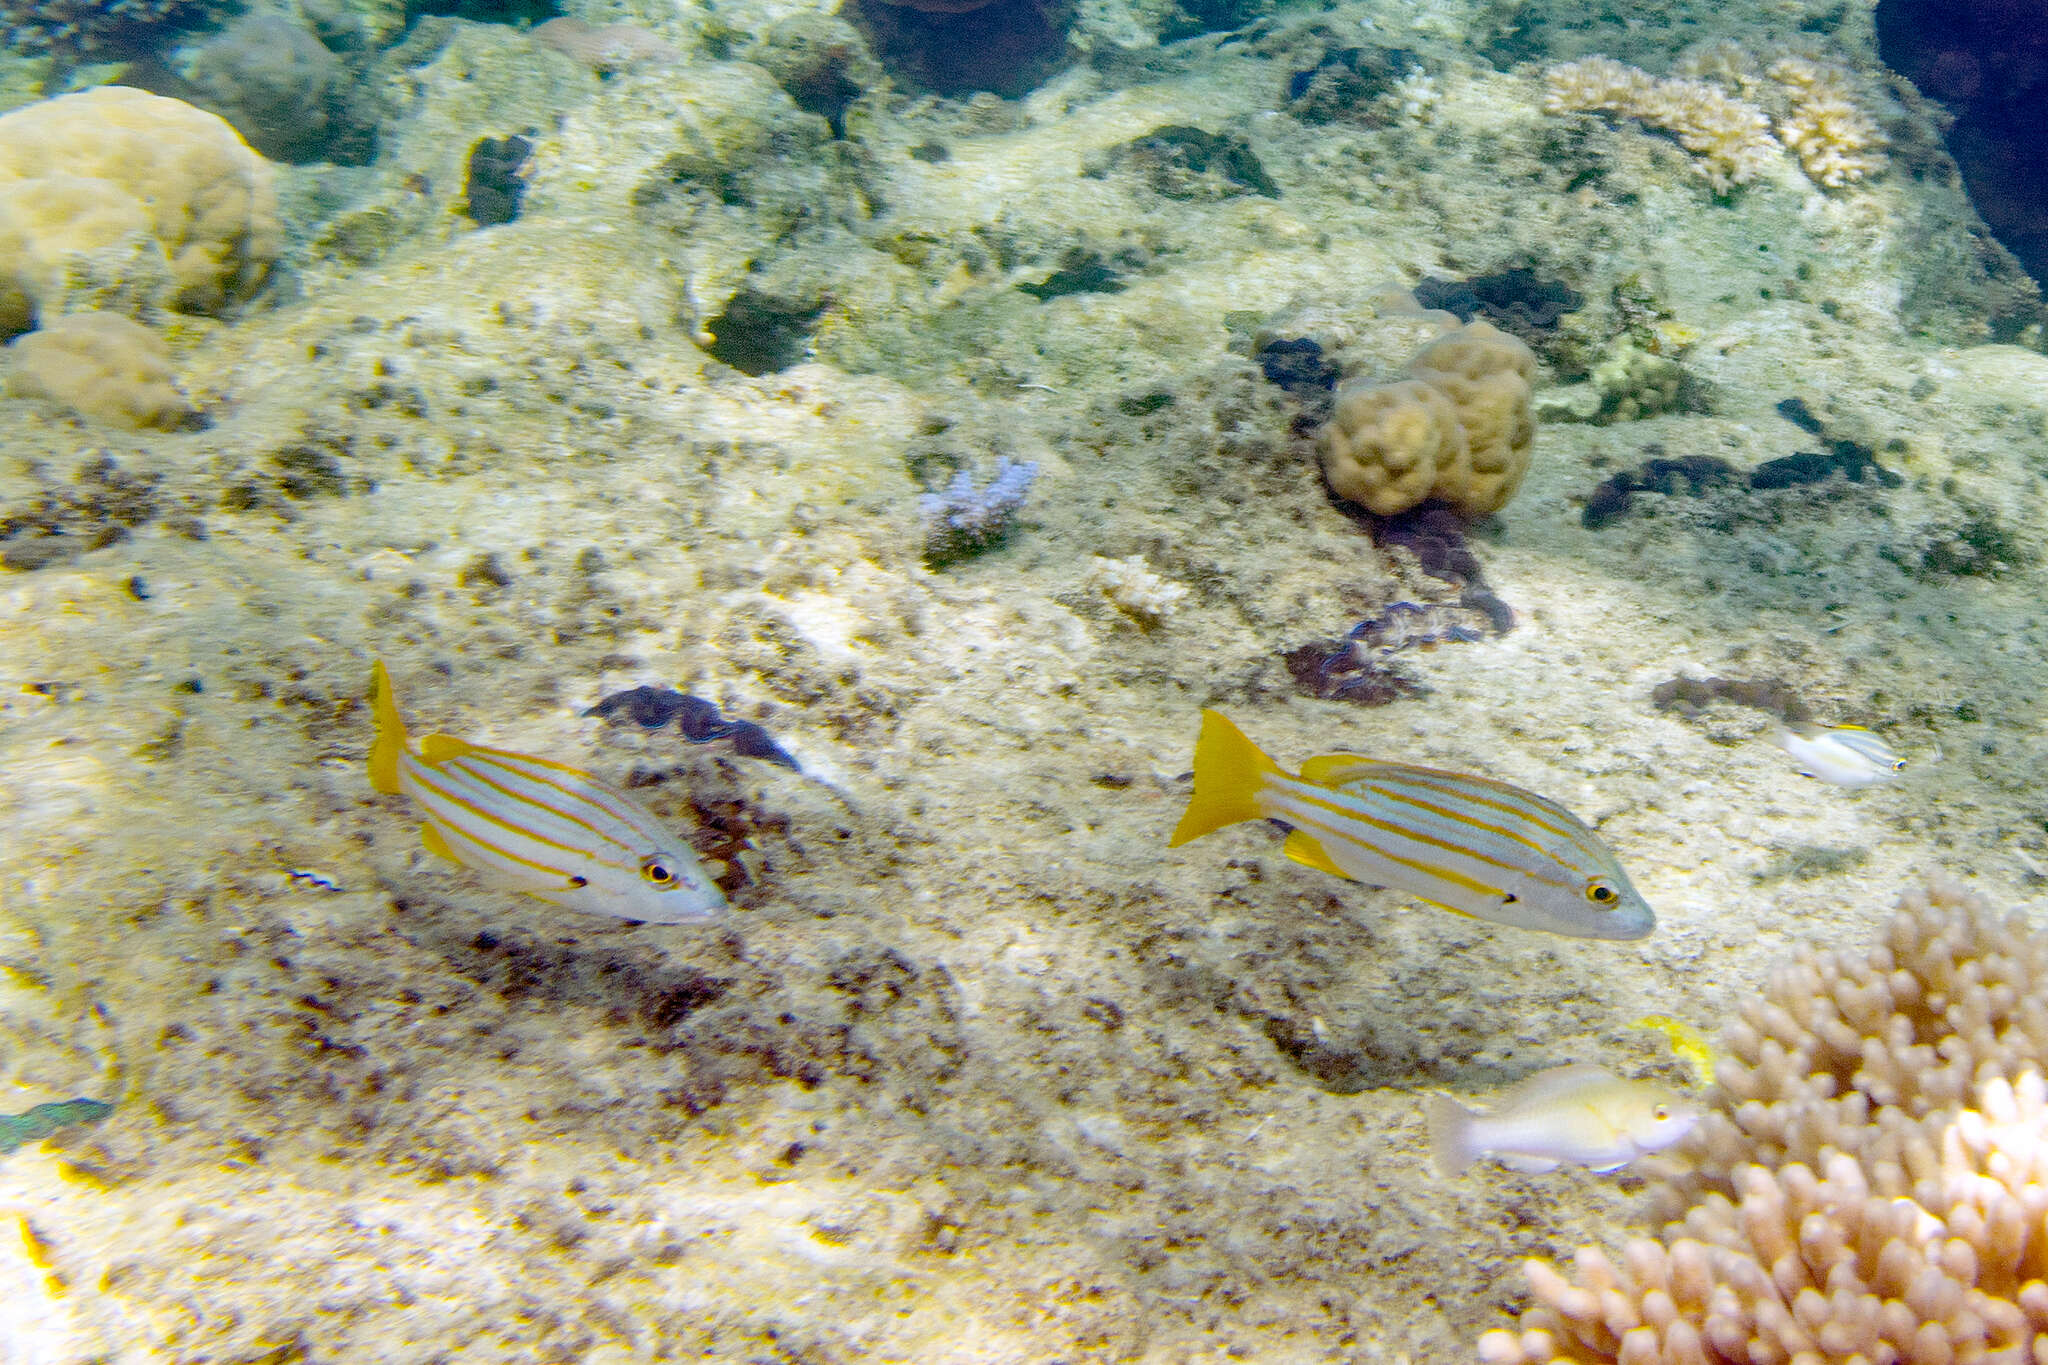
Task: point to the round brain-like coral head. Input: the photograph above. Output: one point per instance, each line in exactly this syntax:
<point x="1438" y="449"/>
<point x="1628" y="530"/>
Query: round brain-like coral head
<point x="1389" y="446"/>
<point x="1458" y="432"/>
<point x="1489" y="377"/>
<point x="117" y="198"/>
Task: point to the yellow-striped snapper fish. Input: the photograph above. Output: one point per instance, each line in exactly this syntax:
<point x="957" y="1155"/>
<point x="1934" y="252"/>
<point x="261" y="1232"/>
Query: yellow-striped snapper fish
<point x="1465" y="843"/>
<point x="1581" y="1115"/>
<point x="1846" y="755"/>
<point x="541" y="827"/>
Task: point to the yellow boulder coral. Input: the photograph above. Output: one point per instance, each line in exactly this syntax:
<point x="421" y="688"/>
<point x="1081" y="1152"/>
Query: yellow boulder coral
<point x="1459" y="431"/>
<point x="101" y="365"/>
<point x="117" y="198"/>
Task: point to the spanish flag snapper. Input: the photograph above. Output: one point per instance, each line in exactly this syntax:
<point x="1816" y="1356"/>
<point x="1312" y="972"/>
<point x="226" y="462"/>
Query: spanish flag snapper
<point x="1469" y="844"/>
<point x="541" y="827"/>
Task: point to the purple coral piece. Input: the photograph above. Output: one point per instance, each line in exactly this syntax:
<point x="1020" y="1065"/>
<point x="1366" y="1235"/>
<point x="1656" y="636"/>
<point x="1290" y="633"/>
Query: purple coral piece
<point x="965" y="520"/>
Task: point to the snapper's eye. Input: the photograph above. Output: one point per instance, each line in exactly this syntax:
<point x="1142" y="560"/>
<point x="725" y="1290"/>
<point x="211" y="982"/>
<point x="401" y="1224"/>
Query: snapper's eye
<point x="1600" y="893"/>
<point x="1661" y="1112"/>
<point x="657" y="872"/>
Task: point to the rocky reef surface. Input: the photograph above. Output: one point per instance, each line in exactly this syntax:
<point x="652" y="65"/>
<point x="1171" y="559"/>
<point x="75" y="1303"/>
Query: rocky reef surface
<point x="978" y="1070"/>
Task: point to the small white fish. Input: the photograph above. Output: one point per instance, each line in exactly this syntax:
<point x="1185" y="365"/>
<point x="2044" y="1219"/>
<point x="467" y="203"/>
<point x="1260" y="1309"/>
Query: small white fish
<point x="1846" y="755"/>
<point x="1580" y="1114"/>
<point x="540" y="827"/>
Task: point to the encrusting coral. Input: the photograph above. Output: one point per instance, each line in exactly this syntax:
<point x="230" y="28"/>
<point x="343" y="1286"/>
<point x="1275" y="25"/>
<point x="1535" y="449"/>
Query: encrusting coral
<point x="1871" y="1184"/>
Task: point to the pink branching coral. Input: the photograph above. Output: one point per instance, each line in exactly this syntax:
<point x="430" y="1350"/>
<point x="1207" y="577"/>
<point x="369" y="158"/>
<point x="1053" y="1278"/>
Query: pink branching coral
<point x="1872" y="1184"/>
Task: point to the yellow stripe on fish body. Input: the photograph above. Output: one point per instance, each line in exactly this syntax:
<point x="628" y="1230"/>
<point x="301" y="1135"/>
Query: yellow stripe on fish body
<point x="1467" y="843"/>
<point x="538" y="826"/>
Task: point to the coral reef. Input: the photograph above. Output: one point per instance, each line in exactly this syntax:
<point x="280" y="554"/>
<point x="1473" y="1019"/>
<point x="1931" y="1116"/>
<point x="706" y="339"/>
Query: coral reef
<point x="1458" y="431"/>
<point x="1872" y="1182"/>
<point x="608" y="48"/>
<point x="101" y="29"/>
<point x="113" y="197"/>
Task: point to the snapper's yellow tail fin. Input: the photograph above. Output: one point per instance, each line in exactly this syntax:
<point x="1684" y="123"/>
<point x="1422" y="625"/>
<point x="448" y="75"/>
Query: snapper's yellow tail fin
<point x="389" y="746"/>
<point x="1230" y="771"/>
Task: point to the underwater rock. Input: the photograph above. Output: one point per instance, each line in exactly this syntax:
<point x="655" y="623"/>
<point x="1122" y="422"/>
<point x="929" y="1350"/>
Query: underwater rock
<point x="494" y="188"/>
<point x="1298" y="365"/>
<point x="1696" y="474"/>
<point x="1610" y="502"/>
<point x="1183" y="162"/>
<point x="285" y="92"/>
<point x="698" y="721"/>
<point x="1350" y="85"/>
<point x="1005" y="47"/>
<point x="1518" y="301"/>
<point x="1691" y="696"/>
<point x="759" y="334"/>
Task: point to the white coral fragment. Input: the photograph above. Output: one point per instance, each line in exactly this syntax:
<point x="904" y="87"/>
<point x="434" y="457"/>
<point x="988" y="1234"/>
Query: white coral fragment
<point x="1134" y="589"/>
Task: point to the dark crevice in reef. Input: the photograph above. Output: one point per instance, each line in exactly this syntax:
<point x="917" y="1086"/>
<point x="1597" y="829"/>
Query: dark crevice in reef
<point x="953" y="48"/>
<point x="1988" y="63"/>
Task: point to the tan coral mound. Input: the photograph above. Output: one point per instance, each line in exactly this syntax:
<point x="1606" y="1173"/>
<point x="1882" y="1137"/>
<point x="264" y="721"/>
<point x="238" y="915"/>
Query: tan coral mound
<point x="119" y="199"/>
<point x="1843" y="1205"/>
<point x="103" y="366"/>
<point x="1459" y="431"/>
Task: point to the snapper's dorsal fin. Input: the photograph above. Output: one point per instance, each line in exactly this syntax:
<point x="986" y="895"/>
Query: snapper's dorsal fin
<point x="441" y="748"/>
<point x="1334" y="770"/>
<point x="1544" y="1085"/>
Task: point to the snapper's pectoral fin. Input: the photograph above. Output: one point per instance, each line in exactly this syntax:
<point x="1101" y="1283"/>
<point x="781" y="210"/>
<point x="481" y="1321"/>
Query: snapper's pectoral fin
<point x="1458" y="910"/>
<point x="1528" y="1165"/>
<point x="437" y="843"/>
<point x="1610" y="1168"/>
<point x="1302" y="847"/>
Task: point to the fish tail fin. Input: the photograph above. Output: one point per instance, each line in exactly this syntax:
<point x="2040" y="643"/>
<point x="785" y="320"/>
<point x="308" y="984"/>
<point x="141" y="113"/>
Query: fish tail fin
<point x="1450" y="1135"/>
<point x="389" y="746"/>
<point x="1230" y="771"/>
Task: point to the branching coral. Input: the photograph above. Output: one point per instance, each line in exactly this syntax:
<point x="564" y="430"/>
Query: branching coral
<point x="1842" y="1203"/>
<point x="1836" y="142"/>
<point x="1721" y="109"/>
<point x="1730" y="137"/>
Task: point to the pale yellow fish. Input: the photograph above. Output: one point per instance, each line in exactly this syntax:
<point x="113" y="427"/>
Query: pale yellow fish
<point x="1578" y="1115"/>
<point x="1466" y="843"/>
<point x="1846" y="755"/>
<point x="1688" y="1044"/>
<point x="541" y="827"/>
